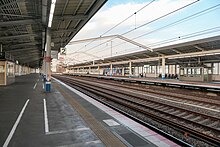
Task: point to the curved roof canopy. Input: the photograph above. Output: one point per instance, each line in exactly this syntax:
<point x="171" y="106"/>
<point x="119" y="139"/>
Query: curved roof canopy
<point x="206" y="50"/>
<point x="23" y="25"/>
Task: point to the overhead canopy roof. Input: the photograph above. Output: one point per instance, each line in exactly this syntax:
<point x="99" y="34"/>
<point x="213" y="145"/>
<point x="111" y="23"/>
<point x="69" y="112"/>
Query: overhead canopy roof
<point x="207" y="49"/>
<point x="23" y="25"/>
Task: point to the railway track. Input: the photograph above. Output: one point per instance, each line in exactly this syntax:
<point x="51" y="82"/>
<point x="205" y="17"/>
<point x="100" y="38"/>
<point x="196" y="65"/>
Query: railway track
<point x="203" y="102"/>
<point x="193" y="127"/>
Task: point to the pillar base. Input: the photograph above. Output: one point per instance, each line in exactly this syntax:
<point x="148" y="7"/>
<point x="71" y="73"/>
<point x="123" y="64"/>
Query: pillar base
<point x="163" y="76"/>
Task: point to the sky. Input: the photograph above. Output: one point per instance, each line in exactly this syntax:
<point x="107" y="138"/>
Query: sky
<point x="153" y="34"/>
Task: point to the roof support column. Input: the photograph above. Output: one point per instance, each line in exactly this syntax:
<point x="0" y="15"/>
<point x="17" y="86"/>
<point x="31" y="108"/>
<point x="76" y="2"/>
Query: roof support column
<point x="123" y="71"/>
<point x="89" y="69"/>
<point x="163" y="67"/>
<point x="48" y="60"/>
<point x="98" y="70"/>
<point x="111" y="69"/>
<point x="1" y="49"/>
<point x="130" y="72"/>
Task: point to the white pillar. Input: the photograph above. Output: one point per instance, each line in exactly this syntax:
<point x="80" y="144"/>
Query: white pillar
<point x="163" y="67"/>
<point x="110" y="69"/>
<point x="89" y="69"/>
<point x="123" y="71"/>
<point x="130" y="69"/>
<point x="48" y="55"/>
<point x="98" y="69"/>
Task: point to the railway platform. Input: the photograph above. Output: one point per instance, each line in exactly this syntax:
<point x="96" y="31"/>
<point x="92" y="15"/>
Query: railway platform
<point x="210" y="86"/>
<point x="65" y="117"/>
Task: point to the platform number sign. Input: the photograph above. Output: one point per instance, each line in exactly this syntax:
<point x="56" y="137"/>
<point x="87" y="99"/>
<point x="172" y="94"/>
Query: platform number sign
<point x="63" y="51"/>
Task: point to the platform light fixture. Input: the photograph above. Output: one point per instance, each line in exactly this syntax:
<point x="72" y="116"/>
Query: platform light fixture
<point x="52" y="8"/>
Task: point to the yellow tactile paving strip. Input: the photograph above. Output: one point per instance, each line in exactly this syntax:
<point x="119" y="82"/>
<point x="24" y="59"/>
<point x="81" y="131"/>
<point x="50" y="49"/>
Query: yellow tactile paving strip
<point x="107" y="137"/>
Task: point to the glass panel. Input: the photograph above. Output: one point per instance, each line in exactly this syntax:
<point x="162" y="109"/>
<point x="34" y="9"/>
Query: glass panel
<point x="198" y="71"/>
<point x="10" y="69"/>
<point x="189" y="71"/>
<point x="205" y="71"/>
<point x="181" y="72"/>
<point x="215" y="68"/>
<point x="185" y="71"/>
<point x="177" y="69"/>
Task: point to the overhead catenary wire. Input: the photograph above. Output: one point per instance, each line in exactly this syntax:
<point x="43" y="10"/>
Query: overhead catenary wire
<point x="127" y="18"/>
<point x="195" y="15"/>
<point x="120" y="22"/>
<point x="208" y="10"/>
<point x="191" y="35"/>
<point x="187" y="36"/>
<point x="160" y="17"/>
<point x="165" y="15"/>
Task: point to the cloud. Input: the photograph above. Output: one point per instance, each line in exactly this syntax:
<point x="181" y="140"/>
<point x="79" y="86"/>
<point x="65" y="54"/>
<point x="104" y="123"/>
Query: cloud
<point x="109" y="17"/>
<point x="106" y="19"/>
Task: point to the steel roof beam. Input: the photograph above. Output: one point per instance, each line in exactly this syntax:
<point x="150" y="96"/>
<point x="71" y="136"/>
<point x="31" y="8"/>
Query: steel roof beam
<point x="199" y="48"/>
<point x="18" y="36"/>
<point x="177" y="57"/>
<point x="77" y="8"/>
<point x="23" y="44"/>
<point x="134" y="42"/>
<point x="27" y="56"/>
<point x="5" y="14"/>
<point x="70" y="17"/>
<point x="96" y="7"/>
<point x="23" y="49"/>
<point x="63" y="30"/>
<point x="93" y="39"/>
<point x="92" y="3"/>
<point x="178" y="52"/>
<point x="11" y="3"/>
<point x="22" y="61"/>
<point x="67" y="1"/>
<point x="26" y="51"/>
<point x="31" y="62"/>
<point x="20" y="22"/>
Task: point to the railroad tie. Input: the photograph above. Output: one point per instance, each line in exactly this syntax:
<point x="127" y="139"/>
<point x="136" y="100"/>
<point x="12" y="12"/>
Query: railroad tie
<point x="106" y="136"/>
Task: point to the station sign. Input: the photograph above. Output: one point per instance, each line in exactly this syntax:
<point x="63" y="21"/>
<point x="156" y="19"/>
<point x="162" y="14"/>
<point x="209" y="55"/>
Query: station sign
<point x="62" y="51"/>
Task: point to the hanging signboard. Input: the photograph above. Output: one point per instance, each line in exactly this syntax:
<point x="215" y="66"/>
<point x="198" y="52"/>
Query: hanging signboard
<point x="62" y="51"/>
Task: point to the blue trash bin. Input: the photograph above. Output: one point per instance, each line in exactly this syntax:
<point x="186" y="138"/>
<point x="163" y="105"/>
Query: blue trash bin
<point x="47" y="86"/>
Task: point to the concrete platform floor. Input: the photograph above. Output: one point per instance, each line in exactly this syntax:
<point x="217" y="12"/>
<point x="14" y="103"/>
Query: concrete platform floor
<point x="30" y="117"/>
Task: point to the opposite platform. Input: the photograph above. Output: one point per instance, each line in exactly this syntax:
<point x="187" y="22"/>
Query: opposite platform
<point x="213" y="86"/>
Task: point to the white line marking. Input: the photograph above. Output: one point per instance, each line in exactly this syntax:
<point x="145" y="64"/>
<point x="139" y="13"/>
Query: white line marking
<point x="15" y="125"/>
<point x="111" y="122"/>
<point x="45" y="117"/>
<point x="35" y="85"/>
<point x="43" y="85"/>
<point x="67" y="131"/>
